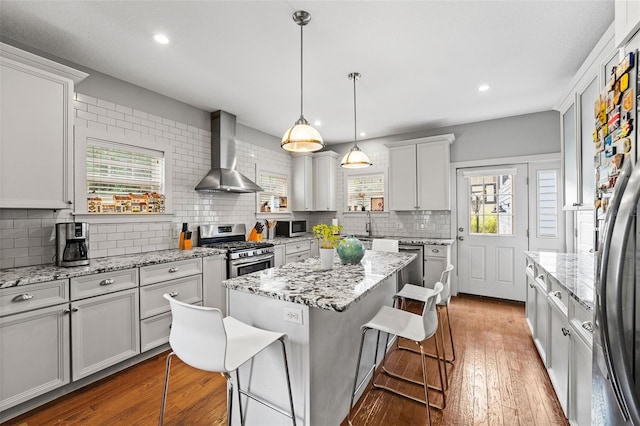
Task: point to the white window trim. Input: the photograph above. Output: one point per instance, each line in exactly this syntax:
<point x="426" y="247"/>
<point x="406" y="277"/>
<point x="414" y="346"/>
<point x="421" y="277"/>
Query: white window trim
<point x="81" y="136"/>
<point x="373" y="170"/>
<point x="286" y="213"/>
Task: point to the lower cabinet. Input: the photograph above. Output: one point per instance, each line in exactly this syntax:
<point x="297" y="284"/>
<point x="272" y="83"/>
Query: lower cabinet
<point x="530" y="301"/>
<point x="436" y="259"/>
<point x="279" y="257"/>
<point x="297" y="251"/>
<point x="34" y="354"/>
<point x="542" y="316"/>
<point x="314" y="249"/>
<point x="580" y="363"/>
<point x="155" y="312"/>
<point x="104" y="331"/>
<point x="558" y="349"/>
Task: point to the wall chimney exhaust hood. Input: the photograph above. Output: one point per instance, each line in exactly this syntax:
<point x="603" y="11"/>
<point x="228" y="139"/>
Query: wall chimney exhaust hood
<point x="223" y="176"/>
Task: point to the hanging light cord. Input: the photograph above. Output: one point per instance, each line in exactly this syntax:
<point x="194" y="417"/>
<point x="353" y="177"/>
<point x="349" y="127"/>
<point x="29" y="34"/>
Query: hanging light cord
<point x="301" y="71"/>
<point x="355" y="116"/>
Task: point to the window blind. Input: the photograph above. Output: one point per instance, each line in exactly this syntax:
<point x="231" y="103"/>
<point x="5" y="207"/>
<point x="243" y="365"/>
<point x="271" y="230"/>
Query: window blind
<point x="115" y="169"/>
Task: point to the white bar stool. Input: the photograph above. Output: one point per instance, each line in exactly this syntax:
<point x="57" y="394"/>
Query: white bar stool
<point x="421" y="294"/>
<point x="409" y="326"/>
<point x="203" y="339"/>
<point x="391" y="246"/>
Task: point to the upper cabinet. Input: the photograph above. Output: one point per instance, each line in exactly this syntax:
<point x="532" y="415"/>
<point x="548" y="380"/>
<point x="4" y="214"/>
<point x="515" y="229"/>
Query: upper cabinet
<point x="36" y="131"/>
<point x="419" y="174"/>
<point x="577" y="120"/>
<point x="627" y="20"/>
<point x="314" y="181"/>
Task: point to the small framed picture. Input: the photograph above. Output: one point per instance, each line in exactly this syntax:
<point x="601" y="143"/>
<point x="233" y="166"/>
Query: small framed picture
<point x="377" y="204"/>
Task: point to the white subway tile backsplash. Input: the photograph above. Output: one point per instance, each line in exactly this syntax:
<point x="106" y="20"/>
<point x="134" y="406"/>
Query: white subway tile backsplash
<point x="106" y="104"/>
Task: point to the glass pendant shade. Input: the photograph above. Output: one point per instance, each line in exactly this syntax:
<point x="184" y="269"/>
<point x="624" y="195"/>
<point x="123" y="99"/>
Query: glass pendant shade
<point x="302" y="138"/>
<point x="355" y="159"/>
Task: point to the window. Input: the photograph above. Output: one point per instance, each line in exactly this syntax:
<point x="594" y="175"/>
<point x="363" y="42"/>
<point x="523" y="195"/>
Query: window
<point x="547" y="182"/>
<point x="120" y="175"/>
<point x="491" y="204"/>
<point x="275" y="198"/>
<point x="365" y="191"/>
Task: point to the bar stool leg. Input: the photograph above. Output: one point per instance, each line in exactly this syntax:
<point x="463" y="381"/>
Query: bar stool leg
<point x="166" y="387"/>
<point x="444" y="352"/>
<point x="442" y="383"/>
<point x="453" y="350"/>
<point x="239" y="396"/>
<point x="355" y="379"/>
<point x="229" y="397"/>
<point x="426" y="388"/>
<point x="286" y="369"/>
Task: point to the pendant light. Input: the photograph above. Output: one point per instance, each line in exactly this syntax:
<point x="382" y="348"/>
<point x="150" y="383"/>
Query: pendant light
<point x="301" y="137"/>
<point x="355" y="158"/>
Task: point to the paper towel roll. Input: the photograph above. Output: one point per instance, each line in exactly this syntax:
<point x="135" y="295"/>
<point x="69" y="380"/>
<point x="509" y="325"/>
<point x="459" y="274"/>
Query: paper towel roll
<point x="334" y="222"/>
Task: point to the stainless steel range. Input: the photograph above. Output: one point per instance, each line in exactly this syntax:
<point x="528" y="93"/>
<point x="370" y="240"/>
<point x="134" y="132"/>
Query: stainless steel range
<point x="243" y="257"/>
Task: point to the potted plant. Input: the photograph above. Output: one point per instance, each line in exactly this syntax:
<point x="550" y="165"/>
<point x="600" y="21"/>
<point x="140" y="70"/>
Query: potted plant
<point x="328" y="240"/>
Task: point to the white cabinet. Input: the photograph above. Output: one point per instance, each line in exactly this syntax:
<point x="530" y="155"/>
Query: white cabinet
<point x="530" y="301"/>
<point x="558" y="348"/>
<point x="314" y="181"/>
<point x="627" y="20"/>
<point x="580" y="362"/>
<point x="279" y="255"/>
<point x="324" y="180"/>
<point x="182" y="280"/>
<point x="214" y="271"/>
<point x="436" y="259"/>
<point x="314" y="249"/>
<point x="34" y="343"/>
<point x="105" y="317"/>
<point x="297" y="251"/>
<point x="541" y="316"/>
<point x="302" y="182"/>
<point x="36" y="128"/>
<point x="419" y="174"/>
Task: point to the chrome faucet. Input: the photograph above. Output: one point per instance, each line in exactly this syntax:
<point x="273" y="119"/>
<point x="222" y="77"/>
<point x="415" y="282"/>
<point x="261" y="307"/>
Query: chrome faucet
<point x="368" y="224"/>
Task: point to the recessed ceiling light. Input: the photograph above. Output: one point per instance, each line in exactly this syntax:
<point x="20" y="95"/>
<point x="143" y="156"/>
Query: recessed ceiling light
<point x="161" y="38"/>
<point x="363" y="134"/>
<point x="317" y="123"/>
<point x="483" y="88"/>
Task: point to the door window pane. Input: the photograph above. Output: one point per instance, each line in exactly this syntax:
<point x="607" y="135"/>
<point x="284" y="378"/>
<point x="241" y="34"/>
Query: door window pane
<point x="491" y="205"/>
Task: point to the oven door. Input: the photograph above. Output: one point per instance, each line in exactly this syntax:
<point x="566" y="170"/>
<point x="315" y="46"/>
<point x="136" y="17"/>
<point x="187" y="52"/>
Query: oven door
<point x="238" y="267"/>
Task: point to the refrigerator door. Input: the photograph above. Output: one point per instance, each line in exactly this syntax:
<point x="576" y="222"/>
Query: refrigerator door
<point x="615" y="389"/>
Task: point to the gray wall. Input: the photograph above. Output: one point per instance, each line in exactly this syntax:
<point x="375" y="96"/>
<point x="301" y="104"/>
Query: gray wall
<point x="521" y="135"/>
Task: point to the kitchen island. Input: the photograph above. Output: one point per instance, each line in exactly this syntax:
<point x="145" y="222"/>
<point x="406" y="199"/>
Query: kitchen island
<point x="321" y="312"/>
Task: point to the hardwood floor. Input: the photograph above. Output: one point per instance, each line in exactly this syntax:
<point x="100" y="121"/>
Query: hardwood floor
<point x="497" y="379"/>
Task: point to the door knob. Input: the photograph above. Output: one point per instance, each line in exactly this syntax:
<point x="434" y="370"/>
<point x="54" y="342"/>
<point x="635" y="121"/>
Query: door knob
<point x="461" y="238"/>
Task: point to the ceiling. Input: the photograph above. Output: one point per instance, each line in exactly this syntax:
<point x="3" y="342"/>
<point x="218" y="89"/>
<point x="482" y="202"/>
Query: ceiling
<point x="421" y="61"/>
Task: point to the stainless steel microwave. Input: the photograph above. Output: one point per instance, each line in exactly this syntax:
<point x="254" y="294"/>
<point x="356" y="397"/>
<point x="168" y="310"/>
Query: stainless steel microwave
<point x="291" y="228"/>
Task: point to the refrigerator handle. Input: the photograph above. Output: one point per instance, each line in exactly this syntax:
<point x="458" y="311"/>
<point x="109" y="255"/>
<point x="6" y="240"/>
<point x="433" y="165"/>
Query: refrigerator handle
<point x="619" y="223"/>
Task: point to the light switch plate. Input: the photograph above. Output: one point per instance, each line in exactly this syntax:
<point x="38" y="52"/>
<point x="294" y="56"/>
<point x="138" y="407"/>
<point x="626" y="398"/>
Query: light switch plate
<point x="292" y="315"/>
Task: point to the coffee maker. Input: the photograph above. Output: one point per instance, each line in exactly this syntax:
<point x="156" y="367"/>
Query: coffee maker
<point x="72" y="244"/>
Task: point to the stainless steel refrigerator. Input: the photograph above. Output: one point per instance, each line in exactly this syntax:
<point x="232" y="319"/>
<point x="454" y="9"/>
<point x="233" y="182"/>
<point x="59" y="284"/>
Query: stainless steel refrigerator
<point x="616" y="338"/>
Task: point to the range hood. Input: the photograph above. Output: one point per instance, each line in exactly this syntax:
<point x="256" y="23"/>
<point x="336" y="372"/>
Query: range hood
<point x="223" y="177"/>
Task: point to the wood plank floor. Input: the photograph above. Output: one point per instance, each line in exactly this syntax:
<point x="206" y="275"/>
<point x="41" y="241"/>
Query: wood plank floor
<point x="497" y="379"/>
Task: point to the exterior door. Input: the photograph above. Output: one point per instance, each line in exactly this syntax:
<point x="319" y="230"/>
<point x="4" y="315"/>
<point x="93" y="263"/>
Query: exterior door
<point x="492" y="231"/>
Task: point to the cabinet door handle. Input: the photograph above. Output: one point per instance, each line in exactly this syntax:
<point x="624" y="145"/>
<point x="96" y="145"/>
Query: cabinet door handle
<point x="107" y="281"/>
<point x="74" y="309"/>
<point x="587" y="325"/>
<point x="66" y="311"/>
<point x="22" y="297"/>
<point x="435" y="251"/>
<point x="531" y="285"/>
<point x="174" y="269"/>
<point x="557" y="294"/>
<point x="174" y="294"/>
<point x="540" y="277"/>
<point x="566" y="331"/>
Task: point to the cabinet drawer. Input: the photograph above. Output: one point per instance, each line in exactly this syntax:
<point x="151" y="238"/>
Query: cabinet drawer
<point x="582" y="320"/>
<point x="26" y="297"/>
<point x="435" y="251"/>
<point x="297" y="247"/>
<point x="297" y="257"/>
<point x="541" y="281"/>
<point x="155" y="331"/>
<point x="559" y="295"/>
<point x="530" y="269"/>
<point x="188" y="290"/>
<point x="167" y="271"/>
<point x="107" y="282"/>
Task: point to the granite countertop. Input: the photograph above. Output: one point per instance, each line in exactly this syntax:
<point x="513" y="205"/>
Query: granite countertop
<point x="41" y="273"/>
<point x="574" y="272"/>
<point x="335" y="289"/>
<point x="402" y="240"/>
